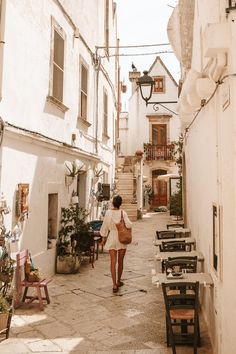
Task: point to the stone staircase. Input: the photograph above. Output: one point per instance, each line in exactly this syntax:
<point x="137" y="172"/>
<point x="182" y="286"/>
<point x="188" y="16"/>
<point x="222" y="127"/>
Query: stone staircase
<point x="125" y="190"/>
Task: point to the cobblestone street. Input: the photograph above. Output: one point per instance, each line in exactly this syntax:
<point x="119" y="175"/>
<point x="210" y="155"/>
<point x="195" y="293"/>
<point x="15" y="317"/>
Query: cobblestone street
<point x="86" y="317"/>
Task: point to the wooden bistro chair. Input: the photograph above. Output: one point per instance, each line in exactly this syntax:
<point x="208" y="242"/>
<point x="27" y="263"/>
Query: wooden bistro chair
<point x="165" y="234"/>
<point x="177" y="264"/>
<point x="182" y="314"/>
<point x="23" y="283"/>
<point x="173" y="246"/>
<point x="174" y="225"/>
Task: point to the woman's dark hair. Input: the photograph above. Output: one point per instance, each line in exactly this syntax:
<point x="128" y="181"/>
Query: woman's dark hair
<point x="117" y="201"/>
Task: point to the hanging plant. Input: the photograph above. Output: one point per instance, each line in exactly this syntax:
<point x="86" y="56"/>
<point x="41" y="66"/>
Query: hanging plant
<point x="98" y="172"/>
<point x="74" y="170"/>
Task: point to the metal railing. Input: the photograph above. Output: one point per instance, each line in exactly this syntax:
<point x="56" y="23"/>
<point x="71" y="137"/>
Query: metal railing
<point x="158" y="152"/>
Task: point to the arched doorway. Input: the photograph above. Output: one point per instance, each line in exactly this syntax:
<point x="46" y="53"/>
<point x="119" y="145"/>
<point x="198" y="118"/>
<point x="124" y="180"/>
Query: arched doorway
<point x="159" y="188"/>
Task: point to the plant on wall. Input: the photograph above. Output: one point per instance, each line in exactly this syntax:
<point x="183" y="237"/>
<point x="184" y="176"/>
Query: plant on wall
<point x="98" y="172"/>
<point x="178" y="153"/>
<point x="74" y="170"/>
<point x="176" y="202"/>
<point x="176" y="207"/>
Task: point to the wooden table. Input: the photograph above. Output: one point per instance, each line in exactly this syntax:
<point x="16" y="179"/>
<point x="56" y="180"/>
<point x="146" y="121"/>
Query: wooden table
<point x="204" y="279"/>
<point x="163" y="256"/>
<point x="188" y="240"/>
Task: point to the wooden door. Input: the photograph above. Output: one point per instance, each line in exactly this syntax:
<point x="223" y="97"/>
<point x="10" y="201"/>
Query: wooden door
<point x="159" y="188"/>
<point x="159" y="134"/>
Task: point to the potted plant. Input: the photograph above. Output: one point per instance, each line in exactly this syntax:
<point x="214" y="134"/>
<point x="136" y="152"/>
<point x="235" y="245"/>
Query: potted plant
<point x="73" y="238"/>
<point x="4" y="312"/>
<point x="73" y="171"/>
<point x="6" y="298"/>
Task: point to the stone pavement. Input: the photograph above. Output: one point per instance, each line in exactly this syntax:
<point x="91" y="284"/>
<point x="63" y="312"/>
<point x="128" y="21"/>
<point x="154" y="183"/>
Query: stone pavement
<point x="86" y="317"/>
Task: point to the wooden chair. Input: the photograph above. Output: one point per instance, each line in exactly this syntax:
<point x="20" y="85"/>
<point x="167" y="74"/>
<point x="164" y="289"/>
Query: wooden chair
<point x="96" y="225"/>
<point x="177" y="264"/>
<point x="182" y="314"/>
<point x="175" y="246"/>
<point x="23" y="283"/>
<point x="165" y="234"/>
<point x="174" y="225"/>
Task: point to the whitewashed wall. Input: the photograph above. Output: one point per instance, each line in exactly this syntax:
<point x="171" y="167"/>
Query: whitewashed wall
<point x="39" y="159"/>
<point x="211" y="169"/>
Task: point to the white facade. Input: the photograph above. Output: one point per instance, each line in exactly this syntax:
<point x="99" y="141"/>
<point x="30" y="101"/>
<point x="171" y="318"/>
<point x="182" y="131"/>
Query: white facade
<point x="207" y="109"/>
<point x="41" y="133"/>
<point x="136" y="128"/>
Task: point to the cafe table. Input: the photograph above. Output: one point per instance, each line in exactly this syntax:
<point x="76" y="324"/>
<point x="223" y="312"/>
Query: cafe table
<point x="188" y="240"/>
<point x="163" y="256"/>
<point x="204" y="279"/>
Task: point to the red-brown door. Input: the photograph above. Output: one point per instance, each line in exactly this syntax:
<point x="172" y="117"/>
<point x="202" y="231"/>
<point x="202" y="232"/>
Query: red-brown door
<point x="159" y="188"/>
<point x="159" y="134"/>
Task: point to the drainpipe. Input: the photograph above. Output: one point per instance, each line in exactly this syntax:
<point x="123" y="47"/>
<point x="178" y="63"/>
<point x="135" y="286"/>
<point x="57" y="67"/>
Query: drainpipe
<point x="2" y="40"/>
<point x="97" y="68"/>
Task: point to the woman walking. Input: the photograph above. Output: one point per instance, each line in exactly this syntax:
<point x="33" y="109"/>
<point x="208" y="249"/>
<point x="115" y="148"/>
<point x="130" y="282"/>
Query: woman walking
<point x="113" y="245"/>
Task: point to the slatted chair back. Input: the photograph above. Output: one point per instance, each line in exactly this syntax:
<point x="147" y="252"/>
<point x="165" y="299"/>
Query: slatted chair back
<point x="174" y="225"/>
<point x="165" y="234"/>
<point x="182" y="313"/>
<point x="177" y="265"/>
<point x="175" y="246"/>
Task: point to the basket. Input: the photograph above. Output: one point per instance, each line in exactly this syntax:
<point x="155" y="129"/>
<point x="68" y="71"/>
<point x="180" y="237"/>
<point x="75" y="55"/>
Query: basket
<point x="3" y="320"/>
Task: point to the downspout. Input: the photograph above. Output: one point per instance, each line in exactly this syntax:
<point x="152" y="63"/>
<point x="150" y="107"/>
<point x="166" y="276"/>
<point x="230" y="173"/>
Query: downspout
<point x="2" y="40"/>
<point x="97" y="68"/>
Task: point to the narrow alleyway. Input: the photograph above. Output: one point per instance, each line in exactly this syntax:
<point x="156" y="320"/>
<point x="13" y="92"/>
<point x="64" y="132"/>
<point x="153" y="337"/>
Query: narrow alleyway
<point x="86" y="317"/>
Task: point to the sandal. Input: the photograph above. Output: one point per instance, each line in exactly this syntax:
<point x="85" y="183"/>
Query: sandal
<point x="115" y="290"/>
<point x="120" y="284"/>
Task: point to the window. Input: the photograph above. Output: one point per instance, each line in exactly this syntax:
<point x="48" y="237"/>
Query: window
<point x="106" y="25"/>
<point x="58" y="63"/>
<point x="105" y="112"/>
<point x="83" y="92"/>
<point x="52" y="218"/>
<point x="159" y="84"/>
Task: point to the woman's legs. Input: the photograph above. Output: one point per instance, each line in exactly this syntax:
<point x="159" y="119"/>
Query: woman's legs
<point x="113" y="254"/>
<point x="121" y="254"/>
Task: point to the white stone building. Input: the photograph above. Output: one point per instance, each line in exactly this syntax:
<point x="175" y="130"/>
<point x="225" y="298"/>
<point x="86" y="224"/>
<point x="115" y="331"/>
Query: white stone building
<point x="203" y="35"/>
<point x="152" y="131"/>
<point x="58" y="104"/>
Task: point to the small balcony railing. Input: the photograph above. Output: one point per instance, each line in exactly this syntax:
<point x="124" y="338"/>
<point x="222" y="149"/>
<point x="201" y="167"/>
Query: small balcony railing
<point x="158" y="152"/>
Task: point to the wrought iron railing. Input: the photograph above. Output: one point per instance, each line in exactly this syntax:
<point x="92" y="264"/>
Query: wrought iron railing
<point x="158" y="152"/>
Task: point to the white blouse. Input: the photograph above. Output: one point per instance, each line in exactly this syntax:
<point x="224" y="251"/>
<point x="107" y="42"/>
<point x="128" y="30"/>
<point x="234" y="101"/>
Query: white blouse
<point x="109" y="230"/>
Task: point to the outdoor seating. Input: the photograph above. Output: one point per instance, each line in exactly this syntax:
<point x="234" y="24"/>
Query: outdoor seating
<point x="182" y="314"/>
<point x="174" y="225"/>
<point x="179" y="264"/>
<point x="173" y="246"/>
<point x="96" y="225"/>
<point x="23" y="283"/>
<point x="165" y="234"/>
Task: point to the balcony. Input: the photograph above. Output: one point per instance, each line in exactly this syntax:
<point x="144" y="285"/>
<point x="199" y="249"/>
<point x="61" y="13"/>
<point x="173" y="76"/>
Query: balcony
<point x="158" y="152"/>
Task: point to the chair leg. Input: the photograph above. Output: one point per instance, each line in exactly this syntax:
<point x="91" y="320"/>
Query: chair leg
<point x="25" y="294"/>
<point x="40" y="298"/>
<point x="46" y="294"/>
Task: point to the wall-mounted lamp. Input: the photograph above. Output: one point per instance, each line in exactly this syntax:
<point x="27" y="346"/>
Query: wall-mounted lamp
<point x="146" y="84"/>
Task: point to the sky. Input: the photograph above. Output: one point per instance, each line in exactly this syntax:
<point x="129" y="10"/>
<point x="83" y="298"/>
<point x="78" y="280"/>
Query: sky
<point x="144" y="22"/>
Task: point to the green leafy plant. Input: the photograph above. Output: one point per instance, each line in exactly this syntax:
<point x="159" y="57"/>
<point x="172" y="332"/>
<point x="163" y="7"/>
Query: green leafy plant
<point x="4" y="304"/>
<point x="74" y="229"/>
<point x="98" y="172"/>
<point x="74" y="170"/>
<point x="176" y="202"/>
